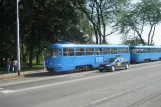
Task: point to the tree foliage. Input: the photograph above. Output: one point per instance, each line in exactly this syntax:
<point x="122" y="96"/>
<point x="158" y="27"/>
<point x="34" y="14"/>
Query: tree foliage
<point x="102" y="15"/>
<point x="133" y="41"/>
<point x="41" y="22"/>
<point x="140" y="15"/>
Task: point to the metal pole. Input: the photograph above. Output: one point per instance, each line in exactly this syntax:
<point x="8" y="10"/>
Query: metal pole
<point x="18" y="45"/>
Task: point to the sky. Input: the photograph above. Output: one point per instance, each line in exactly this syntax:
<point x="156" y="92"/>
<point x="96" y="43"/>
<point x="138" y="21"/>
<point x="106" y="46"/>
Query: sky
<point x="116" y="39"/>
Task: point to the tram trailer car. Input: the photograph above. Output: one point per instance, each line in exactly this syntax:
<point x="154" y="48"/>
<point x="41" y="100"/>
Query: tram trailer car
<point x="145" y="53"/>
<point x="79" y="57"/>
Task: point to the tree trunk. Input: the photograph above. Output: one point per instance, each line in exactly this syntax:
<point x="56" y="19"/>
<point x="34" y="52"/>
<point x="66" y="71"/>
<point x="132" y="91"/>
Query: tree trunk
<point x="138" y="33"/>
<point x="38" y="55"/>
<point x="31" y="45"/>
<point x="96" y="34"/>
<point x="104" y="40"/>
<point x="31" y="56"/>
<point x="150" y="34"/>
<point x="143" y="42"/>
<point x="37" y="59"/>
<point x="22" y="51"/>
<point x="153" y="35"/>
<point x="103" y="23"/>
<point x="99" y="24"/>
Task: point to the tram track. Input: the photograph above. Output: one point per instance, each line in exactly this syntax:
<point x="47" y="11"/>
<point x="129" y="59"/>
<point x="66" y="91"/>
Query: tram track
<point x="143" y="101"/>
<point x="126" y="92"/>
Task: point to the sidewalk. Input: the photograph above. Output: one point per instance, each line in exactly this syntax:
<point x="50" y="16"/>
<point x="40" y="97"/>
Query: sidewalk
<point x="22" y="74"/>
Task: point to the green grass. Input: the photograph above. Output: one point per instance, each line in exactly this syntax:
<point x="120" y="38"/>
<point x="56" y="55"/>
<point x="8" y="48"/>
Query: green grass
<point x="34" y="67"/>
<point x="24" y="68"/>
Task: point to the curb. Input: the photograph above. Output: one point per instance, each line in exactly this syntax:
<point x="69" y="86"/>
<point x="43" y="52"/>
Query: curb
<point x="22" y="75"/>
<point x="11" y="76"/>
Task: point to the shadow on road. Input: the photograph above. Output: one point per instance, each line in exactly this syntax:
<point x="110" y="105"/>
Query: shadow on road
<point x="48" y="74"/>
<point x="44" y="74"/>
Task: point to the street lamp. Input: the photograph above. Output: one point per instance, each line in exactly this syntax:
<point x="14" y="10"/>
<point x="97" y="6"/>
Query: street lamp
<point x="18" y="45"/>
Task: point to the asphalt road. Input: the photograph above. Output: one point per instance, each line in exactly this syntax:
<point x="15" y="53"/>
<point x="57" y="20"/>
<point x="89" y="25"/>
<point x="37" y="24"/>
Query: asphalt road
<point x="139" y="86"/>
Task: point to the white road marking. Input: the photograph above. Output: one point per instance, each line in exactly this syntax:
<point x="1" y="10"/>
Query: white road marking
<point x="76" y="76"/>
<point x="115" y="95"/>
<point x="72" y="81"/>
<point x="6" y="91"/>
<point x="46" y="78"/>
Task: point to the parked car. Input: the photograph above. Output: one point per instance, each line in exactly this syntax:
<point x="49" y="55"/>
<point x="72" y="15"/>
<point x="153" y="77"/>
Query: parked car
<point x="113" y="64"/>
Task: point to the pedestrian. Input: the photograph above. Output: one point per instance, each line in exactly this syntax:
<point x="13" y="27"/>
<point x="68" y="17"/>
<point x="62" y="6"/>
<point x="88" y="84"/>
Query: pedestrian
<point x="15" y="65"/>
<point x="8" y="65"/>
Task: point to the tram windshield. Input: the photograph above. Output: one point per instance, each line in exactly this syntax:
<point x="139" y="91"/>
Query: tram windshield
<point x="54" y="53"/>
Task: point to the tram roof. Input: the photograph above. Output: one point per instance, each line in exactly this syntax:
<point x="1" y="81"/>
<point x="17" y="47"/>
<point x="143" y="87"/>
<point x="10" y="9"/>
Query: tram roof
<point x="146" y="46"/>
<point x="87" y="45"/>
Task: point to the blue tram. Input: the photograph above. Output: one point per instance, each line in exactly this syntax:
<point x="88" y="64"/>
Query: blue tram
<point x="80" y="57"/>
<point x="145" y="53"/>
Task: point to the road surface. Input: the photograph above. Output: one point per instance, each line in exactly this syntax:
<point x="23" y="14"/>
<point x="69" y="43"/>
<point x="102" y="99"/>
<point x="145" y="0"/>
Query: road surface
<point x="139" y="86"/>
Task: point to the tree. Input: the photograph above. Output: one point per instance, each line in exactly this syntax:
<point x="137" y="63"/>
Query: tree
<point x="7" y="29"/>
<point x="46" y="21"/>
<point x="152" y="11"/>
<point x="41" y="22"/>
<point x="101" y="14"/>
<point x="140" y="15"/>
<point x="133" y="41"/>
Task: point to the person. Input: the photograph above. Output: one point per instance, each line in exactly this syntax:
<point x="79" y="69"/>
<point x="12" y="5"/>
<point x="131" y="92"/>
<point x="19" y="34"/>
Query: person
<point x="8" y="65"/>
<point x="15" y="65"/>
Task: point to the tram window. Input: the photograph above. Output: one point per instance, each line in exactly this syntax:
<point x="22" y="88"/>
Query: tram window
<point x="89" y="51"/>
<point x="132" y="51"/>
<point x="120" y="50"/>
<point x="113" y="51"/>
<point x="141" y="50"/>
<point x="137" y="50"/>
<point x="125" y="50"/>
<point x="145" y="50"/>
<point x="153" y="50"/>
<point x="80" y="51"/>
<point x="149" y="50"/>
<point x="106" y="50"/>
<point x="98" y="51"/>
<point x="53" y="53"/>
<point x="68" y="52"/>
